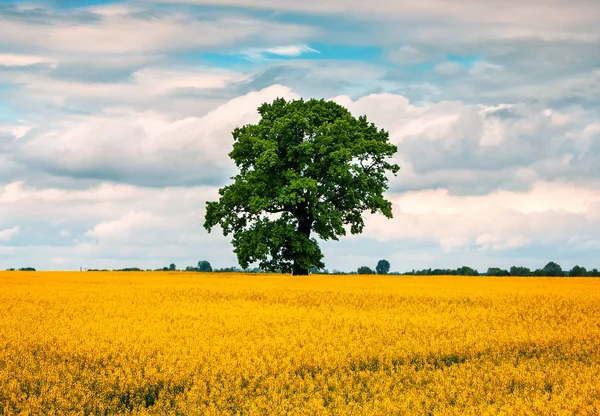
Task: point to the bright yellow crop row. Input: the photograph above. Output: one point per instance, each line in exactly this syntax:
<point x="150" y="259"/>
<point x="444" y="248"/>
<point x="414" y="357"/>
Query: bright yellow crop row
<point x="212" y="344"/>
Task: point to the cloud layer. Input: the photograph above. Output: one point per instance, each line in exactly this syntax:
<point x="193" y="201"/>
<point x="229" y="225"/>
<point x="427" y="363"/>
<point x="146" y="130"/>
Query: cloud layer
<point x="116" y="120"/>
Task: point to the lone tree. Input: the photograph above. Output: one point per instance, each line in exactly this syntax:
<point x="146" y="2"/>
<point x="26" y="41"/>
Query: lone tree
<point x="365" y="270"/>
<point x="204" y="266"/>
<point x="307" y="166"/>
<point x="552" y="269"/>
<point x="383" y="267"/>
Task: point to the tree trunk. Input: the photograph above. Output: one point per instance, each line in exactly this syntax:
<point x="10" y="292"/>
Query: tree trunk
<point x="304" y="227"/>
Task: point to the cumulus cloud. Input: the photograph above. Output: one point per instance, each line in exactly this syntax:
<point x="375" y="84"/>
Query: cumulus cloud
<point x="145" y="149"/>
<point x="549" y="213"/>
<point x="108" y="225"/>
<point x="480" y="148"/>
<point x="9" y="233"/>
<point x="174" y="92"/>
<point x="476" y="174"/>
<point x="131" y="227"/>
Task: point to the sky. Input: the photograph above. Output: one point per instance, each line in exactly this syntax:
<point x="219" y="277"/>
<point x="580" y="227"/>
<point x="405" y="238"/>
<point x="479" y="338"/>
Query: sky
<point x="116" y="121"/>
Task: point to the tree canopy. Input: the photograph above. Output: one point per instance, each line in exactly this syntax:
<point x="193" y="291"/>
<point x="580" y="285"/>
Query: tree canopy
<point x="306" y="167"/>
<point x="365" y="270"/>
<point x="204" y="266"/>
<point x="552" y="269"/>
<point x="496" y="271"/>
<point x="383" y="267"/>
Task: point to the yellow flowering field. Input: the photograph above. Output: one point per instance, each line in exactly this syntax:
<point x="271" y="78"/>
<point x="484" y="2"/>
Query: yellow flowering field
<point x="104" y="343"/>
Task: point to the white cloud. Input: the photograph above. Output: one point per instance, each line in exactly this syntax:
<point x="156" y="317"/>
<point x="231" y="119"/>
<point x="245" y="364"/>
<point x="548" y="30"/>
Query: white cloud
<point x="144" y="84"/>
<point x="448" y="144"/>
<point x="16" y="130"/>
<point x="473" y="148"/>
<point x="449" y="68"/>
<point x="559" y="13"/>
<point x="19" y="193"/>
<point x="9" y="233"/>
<point x="119" y="33"/>
<point x="496" y="242"/>
<point x="157" y="81"/>
<point x="13" y="60"/>
<point x="147" y="149"/>
<point x="548" y="213"/>
<point x="125" y="228"/>
<point x="289" y="51"/>
<point x="407" y="55"/>
<point x="110" y="226"/>
<point x="483" y="67"/>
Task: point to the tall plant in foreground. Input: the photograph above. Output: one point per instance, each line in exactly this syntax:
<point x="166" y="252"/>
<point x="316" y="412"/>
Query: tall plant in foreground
<point x="306" y="166"/>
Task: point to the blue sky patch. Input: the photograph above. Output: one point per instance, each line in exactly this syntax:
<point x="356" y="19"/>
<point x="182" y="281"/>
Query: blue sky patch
<point x="6" y="112"/>
<point x="367" y="54"/>
<point x="467" y="61"/>
<point x="243" y="59"/>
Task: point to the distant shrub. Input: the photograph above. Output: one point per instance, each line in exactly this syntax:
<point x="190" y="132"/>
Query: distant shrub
<point x="204" y="266"/>
<point x="578" y="271"/>
<point x="552" y="269"/>
<point x="496" y="271"/>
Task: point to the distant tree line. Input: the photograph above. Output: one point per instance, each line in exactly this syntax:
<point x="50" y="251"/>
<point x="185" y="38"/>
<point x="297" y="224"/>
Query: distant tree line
<point x="550" y="269"/>
<point x="382" y="267"/>
<point x="22" y="269"/>
<point x="202" y="266"/>
<point x="461" y="271"/>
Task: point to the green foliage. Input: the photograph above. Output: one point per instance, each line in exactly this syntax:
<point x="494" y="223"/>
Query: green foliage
<point x="204" y="266"/>
<point x="365" y="270"/>
<point x="496" y="271"/>
<point x="552" y="269"/>
<point x="578" y="271"/>
<point x="383" y="267"/>
<point x="466" y="271"/>
<point x="172" y="267"/>
<point x="520" y="271"/>
<point x="232" y="269"/>
<point x="594" y="273"/>
<point x="306" y="166"/>
<point x="461" y="271"/>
